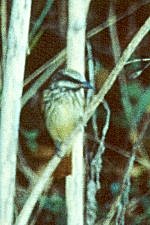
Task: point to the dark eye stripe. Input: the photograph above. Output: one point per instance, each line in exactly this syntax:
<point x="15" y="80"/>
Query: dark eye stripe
<point x="62" y="76"/>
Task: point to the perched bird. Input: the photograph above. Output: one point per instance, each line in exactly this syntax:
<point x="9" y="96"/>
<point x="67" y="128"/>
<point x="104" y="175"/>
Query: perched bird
<point x="64" y="102"/>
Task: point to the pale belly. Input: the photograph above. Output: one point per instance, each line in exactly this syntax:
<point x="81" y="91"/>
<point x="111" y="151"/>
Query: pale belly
<point x="64" y="120"/>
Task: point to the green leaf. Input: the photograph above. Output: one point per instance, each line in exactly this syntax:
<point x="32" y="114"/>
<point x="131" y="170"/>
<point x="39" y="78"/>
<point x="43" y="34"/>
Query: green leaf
<point x="135" y="90"/>
<point x="55" y="203"/>
<point x="142" y="105"/>
<point x="31" y="138"/>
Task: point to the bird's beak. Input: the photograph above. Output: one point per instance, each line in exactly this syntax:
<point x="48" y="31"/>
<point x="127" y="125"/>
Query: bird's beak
<point x="87" y="85"/>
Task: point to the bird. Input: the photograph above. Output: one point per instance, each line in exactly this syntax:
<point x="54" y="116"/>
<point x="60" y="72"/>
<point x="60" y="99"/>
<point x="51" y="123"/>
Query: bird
<point x="64" y="102"/>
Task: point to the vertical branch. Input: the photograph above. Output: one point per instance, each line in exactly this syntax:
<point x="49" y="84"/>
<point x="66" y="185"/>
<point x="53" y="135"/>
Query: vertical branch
<point x="76" y="35"/>
<point x="0" y="86"/>
<point x="11" y="104"/>
<point x="4" y="30"/>
<point x="76" y="61"/>
<point x="90" y="92"/>
<point x="4" y="39"/>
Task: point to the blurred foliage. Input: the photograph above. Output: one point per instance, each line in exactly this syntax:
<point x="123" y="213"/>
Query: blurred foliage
<point x="31" y="138"/>
<point x="56" y="205"/>
<point x="140" y="102"/>
<point x="139" y="97"/>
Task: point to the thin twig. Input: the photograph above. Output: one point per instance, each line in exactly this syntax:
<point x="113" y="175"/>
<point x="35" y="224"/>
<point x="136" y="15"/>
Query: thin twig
<point x="23" y="166"/>
<point x="60" y="58"/>
<point x="127" y="108"/>
<point x="40" y="19"/>
<point x="107" y="23"/>
<point x="138" y="60"/>
<point x="96" y="165"/>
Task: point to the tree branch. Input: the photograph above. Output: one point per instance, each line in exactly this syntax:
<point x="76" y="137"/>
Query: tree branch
<point x="11" y="104"/>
